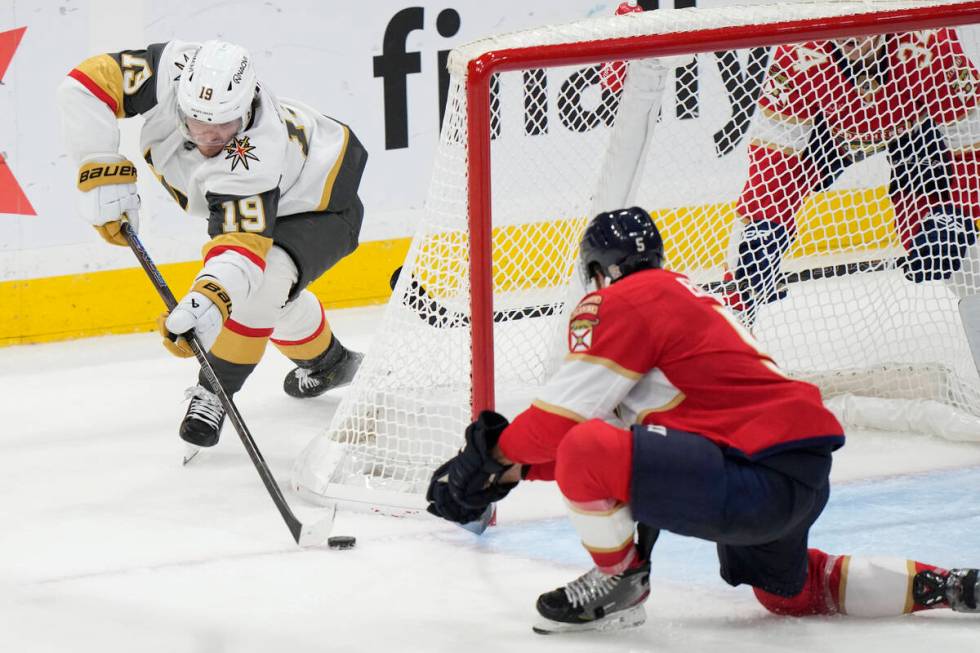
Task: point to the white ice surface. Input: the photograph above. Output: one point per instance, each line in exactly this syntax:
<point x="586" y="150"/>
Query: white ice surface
<point x="108" y="545"/>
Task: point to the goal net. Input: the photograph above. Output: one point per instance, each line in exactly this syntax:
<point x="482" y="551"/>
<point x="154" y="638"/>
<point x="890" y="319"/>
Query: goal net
<point x="847" y="131"/>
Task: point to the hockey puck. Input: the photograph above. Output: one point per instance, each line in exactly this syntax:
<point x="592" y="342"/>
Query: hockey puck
<point x="341" y="542"/>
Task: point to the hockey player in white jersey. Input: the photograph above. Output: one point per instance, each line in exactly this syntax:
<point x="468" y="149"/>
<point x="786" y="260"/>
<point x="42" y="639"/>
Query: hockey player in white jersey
<point x="275" y="180"/>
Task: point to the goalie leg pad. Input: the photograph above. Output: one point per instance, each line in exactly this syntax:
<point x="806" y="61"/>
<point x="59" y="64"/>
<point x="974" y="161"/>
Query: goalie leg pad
<point x="760" y="254"/>
<point x="938" y="248"/>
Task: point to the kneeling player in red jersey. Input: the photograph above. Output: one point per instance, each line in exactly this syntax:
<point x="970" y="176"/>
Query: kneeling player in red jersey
<point x="723" y="446"/>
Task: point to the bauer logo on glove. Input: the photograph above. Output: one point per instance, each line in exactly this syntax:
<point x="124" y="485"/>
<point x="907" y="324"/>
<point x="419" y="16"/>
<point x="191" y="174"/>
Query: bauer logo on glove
<point x="96" y="174"/>
<point x="203" y="310"/>
<point x="109" y="196"/>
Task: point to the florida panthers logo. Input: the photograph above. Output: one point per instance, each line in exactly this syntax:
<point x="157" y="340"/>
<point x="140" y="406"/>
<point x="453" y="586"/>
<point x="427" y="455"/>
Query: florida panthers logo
<point x="580" y="335"/>
<point x="239" y="151"/>
<point x="585" y="318"/>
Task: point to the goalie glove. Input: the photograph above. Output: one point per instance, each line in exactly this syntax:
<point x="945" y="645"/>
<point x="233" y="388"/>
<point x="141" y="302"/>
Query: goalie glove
<point x="109" y="196"/>
<point x="204" y="310"/>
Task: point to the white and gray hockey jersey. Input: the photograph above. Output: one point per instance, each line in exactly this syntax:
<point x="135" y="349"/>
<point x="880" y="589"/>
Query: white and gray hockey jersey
<point x="289" y="159"/>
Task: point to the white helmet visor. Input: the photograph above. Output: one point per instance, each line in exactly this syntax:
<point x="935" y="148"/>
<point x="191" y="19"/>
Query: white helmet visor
<point x="210" y="134"/>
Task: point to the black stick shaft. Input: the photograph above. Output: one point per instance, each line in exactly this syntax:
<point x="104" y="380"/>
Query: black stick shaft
<point x="430" y="309"/>
<point x="294" y="525"/>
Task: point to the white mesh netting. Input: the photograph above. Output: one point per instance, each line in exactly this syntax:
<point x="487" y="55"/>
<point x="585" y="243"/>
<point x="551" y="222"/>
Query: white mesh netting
<point x="853" y="161"/>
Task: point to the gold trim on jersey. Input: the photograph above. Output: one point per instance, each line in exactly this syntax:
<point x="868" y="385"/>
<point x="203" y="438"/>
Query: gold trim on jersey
<point x="239" y="349"/>
<point x="608" y="364"/>
<point x="557" y="410"/>
<point x="334" y="171"/>
<point x="254" y="243"/>
<point x="177" y="195"/>
<point x="779" y="117"/>
<point x="106" y="73"/>
<point x="670" y="405"/>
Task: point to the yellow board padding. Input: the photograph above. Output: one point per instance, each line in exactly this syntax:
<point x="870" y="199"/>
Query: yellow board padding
<point x="124" y="301"/>
<point x="828" y="223"/>
<point x="527" y="256"/>
<point x="542" y="254"/>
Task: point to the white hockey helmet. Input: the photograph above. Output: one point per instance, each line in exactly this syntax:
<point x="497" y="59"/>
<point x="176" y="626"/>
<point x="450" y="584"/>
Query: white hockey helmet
<point x="217" y="85"/>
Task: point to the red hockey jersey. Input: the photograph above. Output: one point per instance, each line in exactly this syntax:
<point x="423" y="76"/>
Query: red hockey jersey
<point x="654" y="349"/>
<point x="925" y="75"/>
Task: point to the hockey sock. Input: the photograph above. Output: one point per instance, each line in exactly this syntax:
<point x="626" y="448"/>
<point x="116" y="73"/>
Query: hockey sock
<point x="860" y="586"/>
<point x="879" y="587"/>
<point x="593" y="469"/>
<point x="235" y="353"/>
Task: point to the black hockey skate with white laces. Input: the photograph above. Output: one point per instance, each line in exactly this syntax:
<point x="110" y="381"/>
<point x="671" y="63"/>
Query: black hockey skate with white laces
<point x="333" y="368"/>
<point x="957" y="589"/>
<point x="203" y="420"/>
<point x="596" y="601"/>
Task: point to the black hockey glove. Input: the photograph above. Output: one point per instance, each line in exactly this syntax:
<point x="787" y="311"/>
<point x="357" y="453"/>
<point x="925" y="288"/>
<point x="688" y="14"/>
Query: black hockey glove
<point x="441" y="502"/>
<point x="474" y="478"/>
<point x="463" y="486"/>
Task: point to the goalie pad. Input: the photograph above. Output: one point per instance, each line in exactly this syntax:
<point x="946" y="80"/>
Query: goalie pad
<point x="938" y="248"/>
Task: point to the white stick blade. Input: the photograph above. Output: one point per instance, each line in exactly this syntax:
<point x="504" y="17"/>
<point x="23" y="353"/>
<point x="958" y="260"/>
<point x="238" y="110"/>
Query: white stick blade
<point x="316" y="532"/>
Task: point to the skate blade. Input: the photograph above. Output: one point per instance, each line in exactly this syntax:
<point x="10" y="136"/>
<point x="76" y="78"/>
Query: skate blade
<point x="629" y="618"/>
<point x="190" y="452"/>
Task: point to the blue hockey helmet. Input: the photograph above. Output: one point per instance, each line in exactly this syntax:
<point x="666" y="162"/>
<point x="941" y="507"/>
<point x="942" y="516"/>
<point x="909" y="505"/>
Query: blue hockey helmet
<point x="618" y="243"/>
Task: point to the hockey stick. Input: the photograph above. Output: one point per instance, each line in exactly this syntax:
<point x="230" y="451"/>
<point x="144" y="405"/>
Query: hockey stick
<point x="431" y="310"/>
<point x="305" y="535"/>
<point x="840" y="270"/>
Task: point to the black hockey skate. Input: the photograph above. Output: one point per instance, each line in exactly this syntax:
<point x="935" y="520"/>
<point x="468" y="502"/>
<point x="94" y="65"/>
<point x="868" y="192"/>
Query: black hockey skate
<point x="596" y="601"/>
<point x="203" y="420"/>
<point x="333" y="368"/>
<point x="957" y="589"/>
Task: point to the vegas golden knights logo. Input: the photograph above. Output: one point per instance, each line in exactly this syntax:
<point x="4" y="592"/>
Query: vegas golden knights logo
<point x="240" y="152"/>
